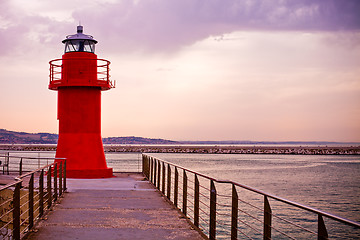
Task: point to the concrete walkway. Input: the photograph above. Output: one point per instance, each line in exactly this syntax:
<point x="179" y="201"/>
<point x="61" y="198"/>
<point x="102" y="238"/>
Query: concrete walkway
<point x="123" y="207"/>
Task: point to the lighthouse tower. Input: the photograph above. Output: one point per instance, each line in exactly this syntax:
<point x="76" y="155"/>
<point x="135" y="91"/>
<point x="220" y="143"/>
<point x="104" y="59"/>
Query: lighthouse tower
<point x="79" y="77"/>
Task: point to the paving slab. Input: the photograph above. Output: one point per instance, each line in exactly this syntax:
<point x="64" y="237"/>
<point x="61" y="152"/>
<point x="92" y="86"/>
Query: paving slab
<point x="123" y="207"/>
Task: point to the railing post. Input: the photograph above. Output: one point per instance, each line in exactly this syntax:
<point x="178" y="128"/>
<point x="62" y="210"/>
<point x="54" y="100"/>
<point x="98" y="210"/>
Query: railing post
<point x="168" y="182"/>
<point x="212" y="225"/>
<point x="151" y="170"/>
<point x="176" y="187"/>
<point x="41" y="193"/>
<point x="158" y="174"/>
<point x="234" y="213"/>
<point x="6" y="163"/>
<point x="322" y="232"/>
<point x="143" y="165"/>
<point x="51" y="72"/>
<point x="49" y="193"/>
<point x="148" y="166"/>
<point x="155" y="172"/>
<point x="55" y="182"/>
<point x="163" y="178"/>
<point x="20" y="167"/>
<point x="16" y="212"/>
<point x="60" y="179"/>
<point x="31" y="202"/>
<point x="184" y="192"/>
<point x="64" y="178"/>
<point x="267" y="219"/>
<point x="107" y="71"/>
<point x="196" y="201"/>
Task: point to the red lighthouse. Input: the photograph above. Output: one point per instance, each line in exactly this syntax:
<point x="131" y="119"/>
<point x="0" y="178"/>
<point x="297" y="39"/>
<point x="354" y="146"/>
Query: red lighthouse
<point x="79" y="77"/>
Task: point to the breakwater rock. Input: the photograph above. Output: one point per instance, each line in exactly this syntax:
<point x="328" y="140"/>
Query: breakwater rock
<point x="220" y="149"/>
<point x="318" y="150"/>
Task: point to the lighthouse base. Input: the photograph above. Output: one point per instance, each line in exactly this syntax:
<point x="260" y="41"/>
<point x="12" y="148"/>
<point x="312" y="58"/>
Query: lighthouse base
<point x="89" y="173"/>
<point x="84" y="153"/>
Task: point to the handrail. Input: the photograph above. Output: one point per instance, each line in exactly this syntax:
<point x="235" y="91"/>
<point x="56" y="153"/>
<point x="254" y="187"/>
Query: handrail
<point x="10" y="185"/>
<point x="37" y="204"/>
<point x="33" y="157"/>
<point x="37" y="170"/>
<point x="102" y="68"/>
<point x="151" y="169"/>
<point x="21" y="157"/>
<point x="69" y="59"/>
<point x="295" y="204"/>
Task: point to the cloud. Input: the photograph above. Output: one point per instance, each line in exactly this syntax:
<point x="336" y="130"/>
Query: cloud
<point x="168" y="25"/>
<point x="292" y="62"/>
<point x="24" y="33"/>
<point x="165" y="25"/>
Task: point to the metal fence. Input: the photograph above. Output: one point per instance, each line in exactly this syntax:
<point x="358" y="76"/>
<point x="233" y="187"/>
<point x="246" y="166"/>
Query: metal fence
<point x="25" y="200"/>
<point x="229" y="210"/>
<point x="101" y="65"/>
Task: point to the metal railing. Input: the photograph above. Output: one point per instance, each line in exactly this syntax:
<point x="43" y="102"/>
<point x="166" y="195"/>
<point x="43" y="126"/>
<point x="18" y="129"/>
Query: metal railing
<point x="230" y="210"/>
<point x="102" y="65"/>
<point x="12" y="161"/>
<point x="5" y="163"/>
<point x="27" y="199"/>
<point x="124" y="162"/>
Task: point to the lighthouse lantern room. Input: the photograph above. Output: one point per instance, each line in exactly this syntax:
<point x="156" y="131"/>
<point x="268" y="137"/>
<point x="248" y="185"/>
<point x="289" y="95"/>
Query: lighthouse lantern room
<point x="79" y="42"/>
<point x="79" y="77"/>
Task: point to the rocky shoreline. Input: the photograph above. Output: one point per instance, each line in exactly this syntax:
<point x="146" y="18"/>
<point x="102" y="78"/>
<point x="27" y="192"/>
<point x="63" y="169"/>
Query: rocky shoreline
<point x="220" y="149"/>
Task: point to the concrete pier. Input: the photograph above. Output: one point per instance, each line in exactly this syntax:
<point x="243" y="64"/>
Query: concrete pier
<point x="123" y="207"/>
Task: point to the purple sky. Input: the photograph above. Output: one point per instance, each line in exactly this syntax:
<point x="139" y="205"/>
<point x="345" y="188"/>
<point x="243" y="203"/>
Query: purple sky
<point x="198" y="70"/>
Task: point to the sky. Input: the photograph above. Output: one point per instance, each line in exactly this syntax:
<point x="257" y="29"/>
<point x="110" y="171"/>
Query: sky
<point x="261" y="70"/>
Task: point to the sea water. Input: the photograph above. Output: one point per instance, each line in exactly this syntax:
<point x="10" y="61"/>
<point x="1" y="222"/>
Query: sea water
<point x="328" y="182"/>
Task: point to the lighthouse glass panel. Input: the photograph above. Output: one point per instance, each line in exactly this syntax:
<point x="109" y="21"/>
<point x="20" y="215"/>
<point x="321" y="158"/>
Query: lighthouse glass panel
<point x="80" y="46"/>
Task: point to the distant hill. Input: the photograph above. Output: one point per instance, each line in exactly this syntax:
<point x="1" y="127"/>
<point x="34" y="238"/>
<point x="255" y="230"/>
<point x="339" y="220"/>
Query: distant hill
<point x="12" y="137"/>
<point x="136" y="140"/>
<point x="27" y="138"/>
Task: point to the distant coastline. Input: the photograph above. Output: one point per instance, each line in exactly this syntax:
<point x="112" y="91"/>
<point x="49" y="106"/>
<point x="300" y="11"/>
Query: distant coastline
<point x="21" y="141"/>
<point x="13" y="137"/>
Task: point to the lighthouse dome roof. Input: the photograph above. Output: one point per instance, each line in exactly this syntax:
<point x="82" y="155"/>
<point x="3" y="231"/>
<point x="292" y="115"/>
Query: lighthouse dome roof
<point x="79" y="36"/>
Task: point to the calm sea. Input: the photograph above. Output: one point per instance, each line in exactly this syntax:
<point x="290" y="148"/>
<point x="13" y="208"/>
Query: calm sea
<point x="329" y="183"/>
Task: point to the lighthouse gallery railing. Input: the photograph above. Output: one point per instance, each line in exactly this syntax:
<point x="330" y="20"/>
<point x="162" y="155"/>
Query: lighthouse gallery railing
<point x="24" y="201"/>
<point x="221" y="212"/>
<point x="103" y="70"/>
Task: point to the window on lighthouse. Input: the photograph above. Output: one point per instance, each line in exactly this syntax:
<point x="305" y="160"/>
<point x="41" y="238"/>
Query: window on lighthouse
<point x="79" y="45"/>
